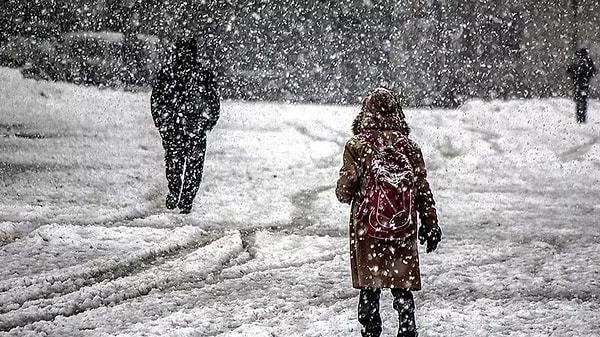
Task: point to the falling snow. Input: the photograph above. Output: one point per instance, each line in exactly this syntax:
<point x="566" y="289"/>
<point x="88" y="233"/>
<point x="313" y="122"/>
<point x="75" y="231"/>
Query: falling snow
<point x="88" y="248"/>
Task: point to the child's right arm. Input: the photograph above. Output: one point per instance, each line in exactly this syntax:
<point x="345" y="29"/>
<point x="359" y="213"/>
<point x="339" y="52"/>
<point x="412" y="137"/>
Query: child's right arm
<point x="348" y="181"/>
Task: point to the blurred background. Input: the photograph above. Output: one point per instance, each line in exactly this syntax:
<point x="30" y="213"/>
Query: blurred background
<point x="434" y="52"/>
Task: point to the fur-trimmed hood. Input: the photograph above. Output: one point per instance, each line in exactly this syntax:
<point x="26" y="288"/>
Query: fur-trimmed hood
<point x="381" y="110"/>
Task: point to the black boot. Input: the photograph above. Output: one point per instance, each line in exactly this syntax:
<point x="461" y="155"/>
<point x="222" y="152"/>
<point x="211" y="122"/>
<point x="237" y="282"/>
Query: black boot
<point x="368" y="312"/>
<point x="185" y="210"/>
<point x="372" y="333"/>
<point x="405" y="306"/>
<point x="185" y="205"/>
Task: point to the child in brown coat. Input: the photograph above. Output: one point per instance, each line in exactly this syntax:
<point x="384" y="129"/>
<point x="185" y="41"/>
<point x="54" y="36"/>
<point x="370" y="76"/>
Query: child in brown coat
<point x="385" y="263"/>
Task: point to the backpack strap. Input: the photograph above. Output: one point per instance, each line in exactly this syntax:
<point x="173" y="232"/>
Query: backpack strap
<point x="370" y="139"/>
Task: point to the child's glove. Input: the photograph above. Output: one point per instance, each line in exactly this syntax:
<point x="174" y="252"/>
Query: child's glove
<point x="432" y="236"/>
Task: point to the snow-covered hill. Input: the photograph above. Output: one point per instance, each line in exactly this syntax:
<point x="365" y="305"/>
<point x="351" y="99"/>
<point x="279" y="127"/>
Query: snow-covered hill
<point x="87" y="248"/>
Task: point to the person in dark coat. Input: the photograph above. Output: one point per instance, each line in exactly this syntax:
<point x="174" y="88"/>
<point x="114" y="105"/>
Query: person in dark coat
<point x="581" y="72"/>
<point x="185" y="105"/>
<point x="384" y="263"/>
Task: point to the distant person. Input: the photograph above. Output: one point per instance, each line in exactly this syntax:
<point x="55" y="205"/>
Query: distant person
<point x="383" y="177"/>
<point x="581" y="72"/>
<point x="185" y="105"/>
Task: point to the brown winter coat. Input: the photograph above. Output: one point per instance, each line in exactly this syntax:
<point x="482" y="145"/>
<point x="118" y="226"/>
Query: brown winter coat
<point x="375" y="262"/>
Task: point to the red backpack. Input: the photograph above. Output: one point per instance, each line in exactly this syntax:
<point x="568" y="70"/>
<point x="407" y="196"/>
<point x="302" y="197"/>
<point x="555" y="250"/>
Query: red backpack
<point x="386" y="205"/>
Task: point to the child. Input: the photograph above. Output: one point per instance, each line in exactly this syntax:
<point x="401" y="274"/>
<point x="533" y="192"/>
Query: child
<point x="378" y="263"/>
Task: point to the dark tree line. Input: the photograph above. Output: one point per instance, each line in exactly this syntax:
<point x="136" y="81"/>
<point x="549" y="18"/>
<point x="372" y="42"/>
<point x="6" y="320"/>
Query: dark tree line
<point x="436" y="52"/>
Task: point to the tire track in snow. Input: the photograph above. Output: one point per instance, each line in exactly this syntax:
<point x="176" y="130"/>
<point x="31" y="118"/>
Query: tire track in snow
<point x="239" y="267"/>
<point x="28" y="300"/>
<point x="221" y="260"/>
<point x="338" y="138"/>
<point x="576" y="152"/>
<point x="190" y="268"/>
<point x="15" y="292"/>
<point x="11" y="231"/>
<point x="488" y="137"/>
<point x="304" y="216"/>
<point x="303" y="202"/>
<point x="253" y="276"/>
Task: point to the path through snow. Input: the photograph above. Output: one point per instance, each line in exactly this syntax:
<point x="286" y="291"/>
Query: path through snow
<point x="88" y="249"/>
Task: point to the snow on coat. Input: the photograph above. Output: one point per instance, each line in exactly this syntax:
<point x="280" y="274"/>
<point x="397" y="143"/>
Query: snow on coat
<point x="185" y="99"/>
<point x="376" y="262"/>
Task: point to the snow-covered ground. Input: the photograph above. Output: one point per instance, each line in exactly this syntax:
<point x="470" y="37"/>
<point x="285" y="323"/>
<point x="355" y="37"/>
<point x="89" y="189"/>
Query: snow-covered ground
<point x="87" y="248"/>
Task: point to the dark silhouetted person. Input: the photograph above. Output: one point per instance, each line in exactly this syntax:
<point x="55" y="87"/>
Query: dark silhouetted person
<point x="185" y="106"/>
<point x="581" y="72"/>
